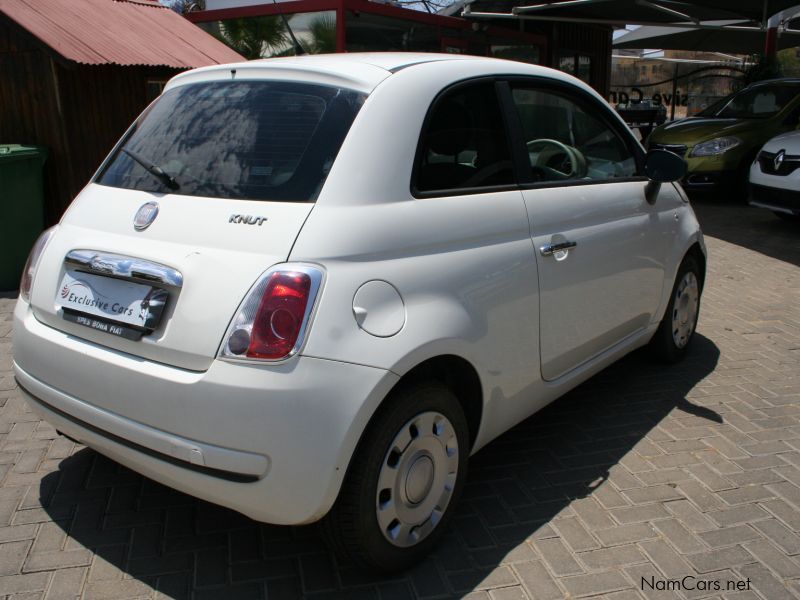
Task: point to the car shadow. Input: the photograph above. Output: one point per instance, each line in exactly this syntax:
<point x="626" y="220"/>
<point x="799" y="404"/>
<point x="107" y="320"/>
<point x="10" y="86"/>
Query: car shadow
<point x="764" y="233"/>
<point x="516" y="486"/>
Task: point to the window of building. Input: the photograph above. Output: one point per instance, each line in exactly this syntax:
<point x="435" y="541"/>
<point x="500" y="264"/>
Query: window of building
<point x="376" y="33"/>
<point x="267" y="36"/>
<point x="576" y="64"/>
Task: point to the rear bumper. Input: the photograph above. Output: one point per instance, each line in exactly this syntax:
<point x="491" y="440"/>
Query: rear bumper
<point x="272" y="442"/>
<point x="775" y="199"/>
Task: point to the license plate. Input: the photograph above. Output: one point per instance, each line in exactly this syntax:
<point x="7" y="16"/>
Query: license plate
<point x="111" y="300"/>
<point x="102" y="325"/>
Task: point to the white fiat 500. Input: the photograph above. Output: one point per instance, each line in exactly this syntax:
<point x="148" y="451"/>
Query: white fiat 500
<point x="312" y="287"/>
<point x="775" y="177"/>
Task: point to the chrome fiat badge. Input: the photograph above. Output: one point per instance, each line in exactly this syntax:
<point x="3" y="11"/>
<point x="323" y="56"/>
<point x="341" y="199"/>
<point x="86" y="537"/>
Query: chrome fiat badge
<point x="146" y="214"/>
<point x="779" y="159"/>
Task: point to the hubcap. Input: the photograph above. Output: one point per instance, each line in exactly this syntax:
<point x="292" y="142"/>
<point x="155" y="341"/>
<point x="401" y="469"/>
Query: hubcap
<point x="417" y="479"/>
<point x="684" y="309"/>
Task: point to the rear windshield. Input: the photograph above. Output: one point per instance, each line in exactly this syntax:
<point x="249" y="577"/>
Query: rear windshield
<point x="248" y="140"/>
<point x="759" y="102"/>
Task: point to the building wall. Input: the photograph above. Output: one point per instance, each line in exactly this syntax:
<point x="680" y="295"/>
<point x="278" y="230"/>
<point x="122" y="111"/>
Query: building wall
<point x="592" y="40"/>
<point x="77" y="111"/>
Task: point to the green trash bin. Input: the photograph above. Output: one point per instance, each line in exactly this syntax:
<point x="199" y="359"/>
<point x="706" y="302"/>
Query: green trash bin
<point x="21" y="208"/>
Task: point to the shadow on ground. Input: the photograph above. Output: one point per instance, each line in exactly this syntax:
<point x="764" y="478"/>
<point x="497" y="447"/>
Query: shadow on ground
<point x="516" y="486"/>
<point x="764" y="232"/>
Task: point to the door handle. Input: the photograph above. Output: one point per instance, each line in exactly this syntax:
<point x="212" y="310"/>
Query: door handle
<point x="549" y="249"/>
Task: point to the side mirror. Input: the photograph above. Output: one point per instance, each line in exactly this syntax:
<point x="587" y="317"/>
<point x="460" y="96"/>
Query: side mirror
<point x="662" y="166"/>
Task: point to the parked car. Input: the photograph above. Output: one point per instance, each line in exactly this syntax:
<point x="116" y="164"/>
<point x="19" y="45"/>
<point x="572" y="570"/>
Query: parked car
<point x="775" y="176"/>
<point x="721" y="142"/>
<point x="312" y="287"/>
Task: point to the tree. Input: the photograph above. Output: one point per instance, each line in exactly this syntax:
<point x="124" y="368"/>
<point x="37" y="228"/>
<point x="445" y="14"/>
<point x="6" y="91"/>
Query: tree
<point x="184" y="6"/>
<point x="255" y="37"/>
<point x="323" y="35"/>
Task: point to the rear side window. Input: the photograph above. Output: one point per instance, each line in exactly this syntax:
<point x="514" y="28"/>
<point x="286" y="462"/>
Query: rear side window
<point x="248" y="140"/>
<point x="464" y="144"/>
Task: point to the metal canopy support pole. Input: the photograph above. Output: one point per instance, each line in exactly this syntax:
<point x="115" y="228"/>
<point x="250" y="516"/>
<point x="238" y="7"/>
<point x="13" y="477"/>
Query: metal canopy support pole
<point x="771" y="43"/>
<point x="518" y="13"/>
<point x="341" y="31"/>
<point x="674" y="92"/>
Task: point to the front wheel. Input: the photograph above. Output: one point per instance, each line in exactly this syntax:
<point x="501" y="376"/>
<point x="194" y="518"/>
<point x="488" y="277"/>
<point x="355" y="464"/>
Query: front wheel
<point x="403" y="482"/>
<point x="671" y="340"/>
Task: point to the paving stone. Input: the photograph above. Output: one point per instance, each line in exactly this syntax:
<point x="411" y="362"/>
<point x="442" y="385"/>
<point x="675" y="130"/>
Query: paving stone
<point x="575" y="534"/>
<point x="595" y="583"/>
<point x="728" y="536"/>
<point x="747" y="494"/>
<point x="14" y="584"/>
<point x="639" y="514"/>
<point x="66" y="584"/>
<point x="536" y="581"/>
<point x="765" y="583"/>
<point x="716" y="560"/>
<point x="558" y="557"/>
<point x="611" y="557"/>
<point x="665" y="558"/>
<point x="625" y="534"/>
<point x="689" y="516"/>
<point x="12" y="555"/>
<point x="655" y="493"/>
<point x="48" y="561"/>
<point x="747" y="513"/>
<point x="773" y="558"/>
<point x="679" y="536"/>
<point x="779" y="535"/>
<point x="789" y="515"/>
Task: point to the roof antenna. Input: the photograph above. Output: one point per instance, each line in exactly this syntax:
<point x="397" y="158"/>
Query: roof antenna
<point x="298" y="49"/>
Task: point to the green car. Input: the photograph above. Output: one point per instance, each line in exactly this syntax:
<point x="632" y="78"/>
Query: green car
<point x="721" y="142"/>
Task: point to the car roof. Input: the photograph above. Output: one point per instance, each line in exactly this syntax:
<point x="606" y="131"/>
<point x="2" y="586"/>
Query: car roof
<point x="362" y="71"/>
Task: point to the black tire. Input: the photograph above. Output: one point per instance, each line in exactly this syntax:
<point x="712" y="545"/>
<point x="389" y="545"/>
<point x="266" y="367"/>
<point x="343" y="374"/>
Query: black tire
<point x="351" y="528"/>
<point x="663" y="345"/>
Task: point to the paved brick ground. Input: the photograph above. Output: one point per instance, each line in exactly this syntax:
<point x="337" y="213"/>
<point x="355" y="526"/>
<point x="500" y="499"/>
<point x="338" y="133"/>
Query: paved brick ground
<point x="642" y="472"/>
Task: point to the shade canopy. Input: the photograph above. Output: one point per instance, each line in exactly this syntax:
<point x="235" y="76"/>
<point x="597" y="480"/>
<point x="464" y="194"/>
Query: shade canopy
<point x="734" y="41"/>
<point x="654" y="12"/>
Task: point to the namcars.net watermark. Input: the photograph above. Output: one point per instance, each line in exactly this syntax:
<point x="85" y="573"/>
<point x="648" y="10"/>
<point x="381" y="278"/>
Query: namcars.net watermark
<point x="691" y="583"/>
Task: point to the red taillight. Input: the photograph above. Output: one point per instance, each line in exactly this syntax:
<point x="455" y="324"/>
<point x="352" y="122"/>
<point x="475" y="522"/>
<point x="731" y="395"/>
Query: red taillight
<point x="273" y="320"/>
<point x="280" y="315"/>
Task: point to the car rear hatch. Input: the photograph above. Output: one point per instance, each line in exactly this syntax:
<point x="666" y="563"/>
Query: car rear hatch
<point x="209" y="189"/>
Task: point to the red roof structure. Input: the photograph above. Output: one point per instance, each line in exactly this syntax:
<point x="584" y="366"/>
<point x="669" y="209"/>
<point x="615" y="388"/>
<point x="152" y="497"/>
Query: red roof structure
<point x="120" y="32"/>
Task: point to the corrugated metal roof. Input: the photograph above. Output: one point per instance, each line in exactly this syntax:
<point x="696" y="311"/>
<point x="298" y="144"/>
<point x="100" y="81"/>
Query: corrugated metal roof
<point x="121" y="32"/>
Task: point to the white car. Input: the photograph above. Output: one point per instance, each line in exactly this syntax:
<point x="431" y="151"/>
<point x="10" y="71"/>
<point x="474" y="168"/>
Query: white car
<point x="775" y="176"/>
<point x="314" y="286"/>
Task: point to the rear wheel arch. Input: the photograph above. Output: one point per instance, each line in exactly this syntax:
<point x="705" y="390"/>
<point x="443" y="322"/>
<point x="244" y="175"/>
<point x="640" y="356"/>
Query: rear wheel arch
<point x="458" y="375"/>
<point x="454" y="372"/>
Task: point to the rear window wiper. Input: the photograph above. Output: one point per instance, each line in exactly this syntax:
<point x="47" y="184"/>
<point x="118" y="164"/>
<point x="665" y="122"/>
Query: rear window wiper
<point x="152" y="168"/>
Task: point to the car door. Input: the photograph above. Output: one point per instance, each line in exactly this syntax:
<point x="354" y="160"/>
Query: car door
<point x="600" y="245"/>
